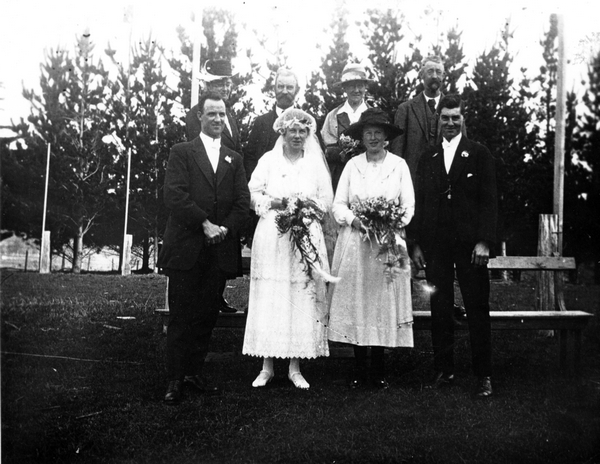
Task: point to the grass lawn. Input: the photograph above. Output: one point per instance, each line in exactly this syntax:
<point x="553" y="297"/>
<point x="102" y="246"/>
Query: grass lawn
<point x="93" y="391"/>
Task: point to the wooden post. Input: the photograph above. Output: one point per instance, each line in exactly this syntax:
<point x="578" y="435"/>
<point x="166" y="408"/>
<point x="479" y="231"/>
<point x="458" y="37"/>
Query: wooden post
<point x="45" y="253"/>
<point x="559" y="139"/>
<point x="26" y="259"/>
<point x="126" y="267"/>
<point x="504" y="273"/>
<point x="547" y="246"/>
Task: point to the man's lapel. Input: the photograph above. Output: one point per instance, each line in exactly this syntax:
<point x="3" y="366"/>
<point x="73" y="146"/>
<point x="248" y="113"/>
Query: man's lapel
<point x="224" y="164"/>
<point x="202" y="160"/>
<point x="418" y="107"/>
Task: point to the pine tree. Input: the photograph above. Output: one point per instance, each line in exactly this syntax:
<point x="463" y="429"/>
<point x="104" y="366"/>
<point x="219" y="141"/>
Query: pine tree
<point x="497" y="116"/>
<point x="70" y="114"/>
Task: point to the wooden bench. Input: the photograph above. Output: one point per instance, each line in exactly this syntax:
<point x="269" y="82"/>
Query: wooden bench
<point x="566" y="322"/>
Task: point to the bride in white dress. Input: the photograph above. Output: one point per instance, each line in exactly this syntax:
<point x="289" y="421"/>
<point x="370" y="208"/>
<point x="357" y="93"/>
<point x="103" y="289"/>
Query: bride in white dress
<point x="287" y="309"/>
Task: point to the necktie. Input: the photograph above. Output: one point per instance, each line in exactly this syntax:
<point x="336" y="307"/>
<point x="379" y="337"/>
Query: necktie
<point x="431" y="104"/>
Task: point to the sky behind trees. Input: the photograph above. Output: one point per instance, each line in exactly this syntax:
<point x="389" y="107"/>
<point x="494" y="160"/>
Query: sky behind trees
<point x="298" y="28"/>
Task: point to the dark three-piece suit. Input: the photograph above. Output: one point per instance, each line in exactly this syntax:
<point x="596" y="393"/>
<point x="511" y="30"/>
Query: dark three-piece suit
<point x="193" y="192"/>
<point x="453" y="212"/>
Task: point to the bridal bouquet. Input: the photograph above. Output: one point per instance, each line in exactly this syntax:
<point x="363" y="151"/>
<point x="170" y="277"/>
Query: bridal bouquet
<point x="296" y="218"/>
<point x="382" y="220"/>
<point x="349" y="147"/>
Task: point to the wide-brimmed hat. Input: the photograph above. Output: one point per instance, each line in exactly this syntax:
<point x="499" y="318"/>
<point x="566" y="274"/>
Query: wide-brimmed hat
<point x="373" y="117"/>
<point x="354" y="72"/>
<point x="214" y="70"/>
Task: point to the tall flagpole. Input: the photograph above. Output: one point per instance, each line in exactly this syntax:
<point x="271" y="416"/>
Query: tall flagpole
<point x="559" y="139"/>
<point x="196" y="56"/>
<point x="44" y="263"/>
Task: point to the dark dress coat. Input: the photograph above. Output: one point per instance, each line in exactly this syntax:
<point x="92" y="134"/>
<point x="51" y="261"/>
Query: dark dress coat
<point x="194" y="193"/>
<point x="261" y="140"/>
<point x="474" y="198"/>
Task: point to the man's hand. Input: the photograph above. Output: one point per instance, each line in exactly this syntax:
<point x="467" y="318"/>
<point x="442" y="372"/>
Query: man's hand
<point x="418" y="257"/>
<point x="213" y="233"/>
<point x="481" y="254"/>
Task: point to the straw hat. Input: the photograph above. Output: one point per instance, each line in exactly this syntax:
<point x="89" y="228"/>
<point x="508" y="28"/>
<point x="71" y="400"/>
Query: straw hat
<point x="353" y="72"/>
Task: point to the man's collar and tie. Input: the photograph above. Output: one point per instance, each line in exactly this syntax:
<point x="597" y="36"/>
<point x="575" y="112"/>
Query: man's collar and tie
<point x="450" y="147"/>
<point x="213" y="148"/>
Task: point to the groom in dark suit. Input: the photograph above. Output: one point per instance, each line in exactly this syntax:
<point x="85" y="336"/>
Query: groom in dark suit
<point x="207" y="196"/>
<point x="454" y="227"/>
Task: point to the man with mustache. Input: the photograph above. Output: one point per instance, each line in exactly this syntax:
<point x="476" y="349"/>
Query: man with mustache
<point x="418" y="117"/>
<point x="262" y="136"/>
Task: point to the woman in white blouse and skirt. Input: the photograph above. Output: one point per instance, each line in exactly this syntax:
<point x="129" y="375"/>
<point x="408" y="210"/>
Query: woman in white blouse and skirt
<point x="371" y="305"/>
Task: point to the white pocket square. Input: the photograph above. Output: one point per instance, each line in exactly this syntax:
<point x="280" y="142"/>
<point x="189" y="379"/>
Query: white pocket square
<point x="469" y="175"/>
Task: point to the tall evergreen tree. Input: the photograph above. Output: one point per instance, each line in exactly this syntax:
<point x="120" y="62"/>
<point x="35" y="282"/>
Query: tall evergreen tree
<point x="70" y="113"/>
<point x="497" y="116"/>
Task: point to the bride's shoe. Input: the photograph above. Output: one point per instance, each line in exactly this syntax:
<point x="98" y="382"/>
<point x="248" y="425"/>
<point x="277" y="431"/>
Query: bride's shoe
<point x="298" y="380"/>
<point x="263" y="378"/>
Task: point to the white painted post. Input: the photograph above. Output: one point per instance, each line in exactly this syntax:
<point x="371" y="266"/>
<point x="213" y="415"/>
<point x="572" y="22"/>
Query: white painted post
<point x="45" y="253"/>
<point x="126" y="267"/>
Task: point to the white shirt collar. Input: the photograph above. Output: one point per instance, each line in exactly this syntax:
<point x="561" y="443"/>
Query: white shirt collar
<point x="450" y="150"/>
<point x="353" y="115"/>
<point x="213" y="148"/>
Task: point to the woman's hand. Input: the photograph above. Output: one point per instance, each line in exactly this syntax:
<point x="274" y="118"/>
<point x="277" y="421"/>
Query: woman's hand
<point x="356" y="224"/>
<point x="278" y="203"/>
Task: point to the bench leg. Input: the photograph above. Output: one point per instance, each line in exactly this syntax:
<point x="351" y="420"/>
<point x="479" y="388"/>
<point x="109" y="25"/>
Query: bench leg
<point x="577" y="352"/>
<point x="563" y="350"/>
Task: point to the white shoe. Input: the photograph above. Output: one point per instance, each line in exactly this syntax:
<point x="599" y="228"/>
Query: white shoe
<point x="263" y="378"/>
<point x="298" y="380"/>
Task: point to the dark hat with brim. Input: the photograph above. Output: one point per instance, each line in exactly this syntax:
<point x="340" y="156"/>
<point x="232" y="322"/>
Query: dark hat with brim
<point x="373" y="117"/>
<point x="214" y="70"/>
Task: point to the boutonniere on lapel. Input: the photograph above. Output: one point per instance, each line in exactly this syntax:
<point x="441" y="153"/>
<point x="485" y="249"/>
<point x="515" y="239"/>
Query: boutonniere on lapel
<point x="465" y="154"/>
<point x="228" y="159"/>
<point x="434" y="155"/>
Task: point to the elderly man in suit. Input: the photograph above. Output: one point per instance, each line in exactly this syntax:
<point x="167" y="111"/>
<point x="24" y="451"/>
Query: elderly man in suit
<point x="354" y="83"/>
<point x="418" y="117"/>
<point x="262" y="136"/>
<point x="208" y="200"/>
<point x="216" y="75"/>
<point x="454" y="227"/>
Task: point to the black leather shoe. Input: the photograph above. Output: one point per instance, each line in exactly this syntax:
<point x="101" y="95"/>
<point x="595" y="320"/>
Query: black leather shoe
<point x="380" y="382"/>
<point x="226" y="307"/>
<point x="173" y="395"/>
<point x="441" y="379"/>
<point x="460" y="313"/>
<point x="200" y="384"/>
<point x="484" y="388"/>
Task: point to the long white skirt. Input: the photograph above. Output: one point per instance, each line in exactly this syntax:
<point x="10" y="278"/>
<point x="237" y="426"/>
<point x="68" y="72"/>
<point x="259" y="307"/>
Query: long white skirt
<point x="287" y="312"/>
<point x="367" y="308"/>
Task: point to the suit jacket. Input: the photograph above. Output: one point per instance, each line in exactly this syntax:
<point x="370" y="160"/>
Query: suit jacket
<point x="230" y="140"/>
<point x="474" y="198"/>
<point x="261" y="140"/>
<point x="194" y="193"/>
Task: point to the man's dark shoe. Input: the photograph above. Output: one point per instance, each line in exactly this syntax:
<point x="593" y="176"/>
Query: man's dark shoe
<point x="484" y="388"/>
<point x="441" y="379"/>
<point x="200" y="384"/>
<point x="226" y="307"/>
<point x="460" y="313"/>
<point x="173" y="395"/>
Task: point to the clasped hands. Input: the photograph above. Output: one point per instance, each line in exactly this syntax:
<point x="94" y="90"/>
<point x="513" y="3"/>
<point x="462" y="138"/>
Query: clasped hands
<point x="213" y="233"/>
